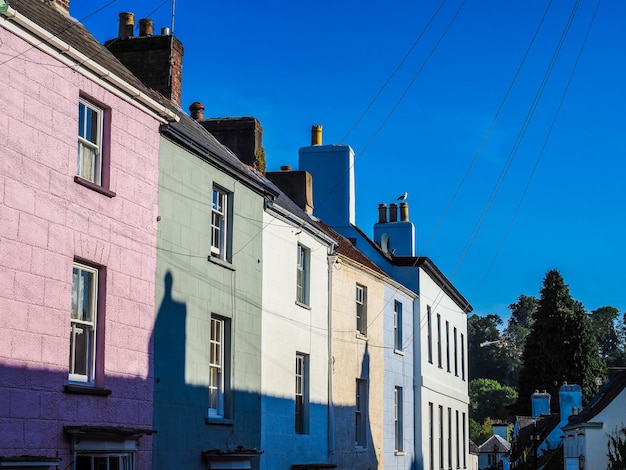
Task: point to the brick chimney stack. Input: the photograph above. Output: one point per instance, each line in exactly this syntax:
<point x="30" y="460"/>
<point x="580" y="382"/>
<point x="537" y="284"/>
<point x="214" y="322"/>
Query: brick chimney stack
<point x="242" y="135"/>
<point x="297" y="185"/>
<point x="155" y="60"/>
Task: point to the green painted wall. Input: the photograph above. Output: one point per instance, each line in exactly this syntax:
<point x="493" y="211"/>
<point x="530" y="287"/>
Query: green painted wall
<point x="189" y="288"/>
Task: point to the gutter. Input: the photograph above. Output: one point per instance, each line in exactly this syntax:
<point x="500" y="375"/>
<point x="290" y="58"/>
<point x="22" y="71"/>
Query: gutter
<point x="25" y="28"/>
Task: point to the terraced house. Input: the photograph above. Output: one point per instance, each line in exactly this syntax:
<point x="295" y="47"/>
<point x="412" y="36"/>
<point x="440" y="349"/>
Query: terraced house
<point x="166" y="303"/>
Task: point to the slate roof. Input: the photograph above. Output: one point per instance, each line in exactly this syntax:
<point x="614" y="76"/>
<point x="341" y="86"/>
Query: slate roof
<point x="347" y="249"/>
<point x="607" y="393"/>
<point x="494" y="444"/>
<point x="427" y="265"/>
<point x="190" y="134"/>
<point x="72" y="32"/>
<point x="526" y="427"/>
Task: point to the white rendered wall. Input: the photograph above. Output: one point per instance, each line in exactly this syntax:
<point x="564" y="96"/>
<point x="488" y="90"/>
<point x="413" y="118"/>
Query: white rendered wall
<point x="287" y="329"/>
<point x="398" y="373"/>
<point x="438" y="385"/>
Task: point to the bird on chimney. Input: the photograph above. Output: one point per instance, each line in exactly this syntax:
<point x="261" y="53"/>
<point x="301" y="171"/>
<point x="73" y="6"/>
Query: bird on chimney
<point x="403" y="197"/>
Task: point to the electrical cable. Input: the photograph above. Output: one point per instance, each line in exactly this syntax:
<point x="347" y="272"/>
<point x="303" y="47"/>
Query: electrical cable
<point x="542" y="150"/>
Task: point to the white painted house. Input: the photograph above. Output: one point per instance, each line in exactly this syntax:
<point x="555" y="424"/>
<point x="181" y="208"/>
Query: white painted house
<point x="587" y="433"/>
<point x="439" y="328"/>
<point x="295" y="340"/>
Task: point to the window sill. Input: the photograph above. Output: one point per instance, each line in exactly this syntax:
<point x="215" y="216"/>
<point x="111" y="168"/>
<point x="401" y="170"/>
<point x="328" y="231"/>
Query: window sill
<point x="300" y="304"/>
<point x="360" y="449"/>
<point x="361" y="336"/>
<point x="399" y="453"/>
<point x="220" y="262"/>
<point x="219" y="421"/>
<point x="86" y="390"/>
<point x="93" y="186"/>
<point x="399" y="352"/>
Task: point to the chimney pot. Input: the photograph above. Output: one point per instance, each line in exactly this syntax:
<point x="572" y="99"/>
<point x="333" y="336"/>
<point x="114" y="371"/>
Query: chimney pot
<point x="285" y="168"/>
<point x="382" y="213"/>
<point x="404" y="212"/>
<point x="393" y="212"/>
<point x="146" y="27"/>
<point x="196" y="110"/>
<point x="165" y="31"/>
<point x="127" y="25"/>
<point x="316" y="135"/>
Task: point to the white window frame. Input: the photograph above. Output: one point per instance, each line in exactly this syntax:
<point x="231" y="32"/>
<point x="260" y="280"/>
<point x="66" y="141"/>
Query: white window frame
<point x="360" y="408"/>
<point x="89" y="158"/>
<point x="303" y="271"/>
<point x="85" y="323"/>
<point x="217" y="366"/>
<point x="361" y="309"/>
<point x="301" y="411"/>
<point x="220" y="223"/>
<point x="397" y="325"/>
<point x="126" y="460"/>
<point x="398" y="420"/>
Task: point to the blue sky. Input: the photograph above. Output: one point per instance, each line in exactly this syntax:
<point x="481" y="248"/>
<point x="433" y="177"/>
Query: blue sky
<point x="496" y="203"/>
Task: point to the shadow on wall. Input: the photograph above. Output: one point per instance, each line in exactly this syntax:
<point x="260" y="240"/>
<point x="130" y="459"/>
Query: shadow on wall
<point x="181" y="418"/>
<point x="36" y="405"/>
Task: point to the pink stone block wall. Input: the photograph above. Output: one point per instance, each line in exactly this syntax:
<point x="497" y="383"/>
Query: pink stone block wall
<point x="46" y="221"/>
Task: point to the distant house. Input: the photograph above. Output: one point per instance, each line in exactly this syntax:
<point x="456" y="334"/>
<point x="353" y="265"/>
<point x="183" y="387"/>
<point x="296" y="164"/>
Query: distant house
<point x="492" y="452"/>
<point x="78" y="240"/>
<point x="587" y="433"/>
<point x="538" y="439"/>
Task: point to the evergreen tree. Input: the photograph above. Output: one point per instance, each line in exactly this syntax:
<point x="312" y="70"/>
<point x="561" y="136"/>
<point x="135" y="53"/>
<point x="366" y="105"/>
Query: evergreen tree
<point x="560" y="347"/>
<point x="518" y="327"/>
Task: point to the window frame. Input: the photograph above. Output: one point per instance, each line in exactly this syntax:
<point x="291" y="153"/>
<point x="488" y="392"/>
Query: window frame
<point x="93" y="351"/>
<point x="360" y="413"/>
<point x="456" y="352"/>
<point x="101" y="179"/>
<point x="301" y="411"/>
<point x="219" y="359"/>
<point x="129" y="455"/>
<point x="86" y="113"/>
<point x="441" y="443"/>
<point x="431" y="436"/>
<point x="462" y="357"/>
<point x="429" y="320"/>
<point x="439" y="355"/>
<point x="448" y="369"/>
<point x="398" y="419"/>
<point x="397" y="326"/>
<point x="361" y="309"/>
<point x="221" y="223"/>
<point x="303" y="275"/>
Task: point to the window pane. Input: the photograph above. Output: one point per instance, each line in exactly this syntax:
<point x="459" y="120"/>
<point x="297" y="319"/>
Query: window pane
<point x="100" y="463"/>
<point x="83" y="462"/>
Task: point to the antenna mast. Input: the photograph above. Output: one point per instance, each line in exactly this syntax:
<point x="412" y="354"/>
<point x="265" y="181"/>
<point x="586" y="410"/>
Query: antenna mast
<point x="173" y="14"/>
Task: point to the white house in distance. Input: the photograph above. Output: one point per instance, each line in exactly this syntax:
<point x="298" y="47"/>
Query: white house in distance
<point x="440" y="394"/>
<point x="587" y="433"/>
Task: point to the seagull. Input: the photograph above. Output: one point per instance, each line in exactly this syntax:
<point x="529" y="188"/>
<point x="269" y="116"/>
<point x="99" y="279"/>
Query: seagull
<point x="403" y="197"/>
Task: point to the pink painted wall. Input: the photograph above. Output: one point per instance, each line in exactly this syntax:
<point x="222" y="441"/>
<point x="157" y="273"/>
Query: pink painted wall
<point x="46" y="220"/>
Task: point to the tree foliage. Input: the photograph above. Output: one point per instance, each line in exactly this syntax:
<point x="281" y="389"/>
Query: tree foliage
<point x="617" y="450"/>
<point x="609" y="331"/>
<point x="514" y="335"/>
<point x="484" y="344"/>
<point x="489" y="399"/>
<point x="560" y="346"/>
<point x="479" y="433"/>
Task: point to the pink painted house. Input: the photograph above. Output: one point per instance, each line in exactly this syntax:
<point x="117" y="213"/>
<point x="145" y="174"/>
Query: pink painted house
<point x="79" y="146"/>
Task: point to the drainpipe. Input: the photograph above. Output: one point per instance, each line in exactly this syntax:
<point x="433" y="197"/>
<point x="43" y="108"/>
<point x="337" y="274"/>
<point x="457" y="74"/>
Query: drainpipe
<point x="332" y="259"/>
